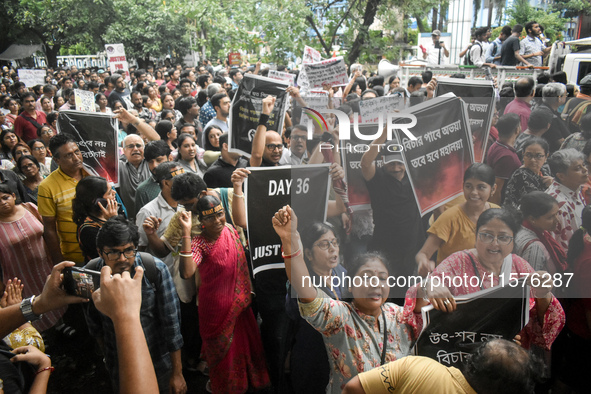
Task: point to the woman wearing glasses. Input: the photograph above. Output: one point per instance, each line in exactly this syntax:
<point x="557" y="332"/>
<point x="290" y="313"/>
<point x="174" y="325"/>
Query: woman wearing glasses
<point x="231" y="339"/>
<point x="94" y="204"/>
<point x="310" y="370"/>
<point x="489" y="260"/>
<point x="532" y="175"/>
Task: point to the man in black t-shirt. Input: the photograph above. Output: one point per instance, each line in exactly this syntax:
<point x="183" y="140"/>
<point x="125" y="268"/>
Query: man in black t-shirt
<point x="510" y="51"/>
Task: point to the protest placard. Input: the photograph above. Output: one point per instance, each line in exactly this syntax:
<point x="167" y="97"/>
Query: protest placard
<point x="246" y="110"/>
<point x="281" y="76"/>
<point x="96" y="136"/>
<point x="331" y="71"/>
<point x="497" y="312"/>
<point x="117" y="60"/>
<point x="480" y="97"/>
<point x="437" y="159"/>
<point x="267" y="189"/>
<point x="311" y="55"/>
<point x="84" y="100"/>
<point x="371" y="109"/>
<point x="32" y="77"/>
<point x="234" y="58"/>
<point x="351" y="153"/>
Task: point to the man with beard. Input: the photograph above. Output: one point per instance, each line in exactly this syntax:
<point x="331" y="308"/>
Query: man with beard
<point x="30" y="119"/>
<point x="120" y="93"/>
<point x="297" y="152"/>
<point x="221" y="104"/>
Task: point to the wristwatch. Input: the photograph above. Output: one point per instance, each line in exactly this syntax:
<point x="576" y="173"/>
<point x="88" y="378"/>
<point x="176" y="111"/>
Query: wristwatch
<point x="27" y="309"/>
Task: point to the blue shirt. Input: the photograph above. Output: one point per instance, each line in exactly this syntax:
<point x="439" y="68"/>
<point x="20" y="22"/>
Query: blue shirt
<point x="160" y="318"/>
<point x="207" y="113"/>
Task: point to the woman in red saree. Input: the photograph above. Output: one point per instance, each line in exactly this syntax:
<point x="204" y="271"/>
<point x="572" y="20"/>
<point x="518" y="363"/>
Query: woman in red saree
<point x="231" y="340"/>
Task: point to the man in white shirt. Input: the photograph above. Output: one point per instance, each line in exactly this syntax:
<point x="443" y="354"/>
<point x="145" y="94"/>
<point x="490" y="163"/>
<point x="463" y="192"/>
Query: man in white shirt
<point x="436" y="52"/>
<point x="478" y="50"/>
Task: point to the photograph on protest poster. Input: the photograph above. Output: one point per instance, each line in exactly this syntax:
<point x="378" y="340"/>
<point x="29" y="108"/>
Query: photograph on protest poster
<point x="96" y="136"/>
<point x="351" y="152"/>
<point x="331" y="71"/>
<point x="246" y="110"/>
<point x="84" y="100"/>
<point x="437" y="159"/>
<point x="480" y="97"/>
<point x="268" y="189"/>
<point x="497" y="312"/>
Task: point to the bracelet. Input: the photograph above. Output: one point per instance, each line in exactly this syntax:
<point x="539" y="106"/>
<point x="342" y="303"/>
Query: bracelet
<point x="291" y="256"/>
<point x="186" y="252"/>
<point x="263" y="119"/>
<point x="50" y="369"/>
<point x="239" y="195"/>
<point x="185" y="255"/>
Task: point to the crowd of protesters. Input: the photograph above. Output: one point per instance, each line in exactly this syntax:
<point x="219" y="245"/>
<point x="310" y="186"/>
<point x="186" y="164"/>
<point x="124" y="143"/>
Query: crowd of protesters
<point x="176" y="225"/>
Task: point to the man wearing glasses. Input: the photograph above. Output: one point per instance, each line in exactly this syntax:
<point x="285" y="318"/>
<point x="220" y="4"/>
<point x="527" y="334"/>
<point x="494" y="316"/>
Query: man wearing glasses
<point x="117" y="243"/>
<point x="30" y="119"/>
<point x="267" y="147"/>
<point x="297" y="153"/>
<point x="133" y="170"/>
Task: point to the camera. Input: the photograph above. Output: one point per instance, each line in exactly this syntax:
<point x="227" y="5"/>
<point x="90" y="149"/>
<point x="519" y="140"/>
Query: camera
<point x="81" y="282"/>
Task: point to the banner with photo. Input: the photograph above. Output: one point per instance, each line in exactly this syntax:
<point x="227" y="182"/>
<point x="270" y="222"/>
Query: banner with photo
<point x="31" y="77"/>
<point x="117" y="60"/>
<point x="84" y="100"/>
<point x="437" y="159"/>
<point x="351" y="153"/>
<point x="246" y="110"/>
<point x="267" y="189"/>
<point x="331" y="71"/>
<point x="480" y="97"/>
<point x="450" y="337"/>
<point x="96" y="136"/>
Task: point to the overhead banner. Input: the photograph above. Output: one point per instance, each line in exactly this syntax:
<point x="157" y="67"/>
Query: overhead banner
<point x="96" y="136"/>
<point x="331" y="71"/>
<point x="437" y="159"/>
<point x="311" y="55"/>
<point x="281" y="76"/>
<point x="246" y="110"/>
<point x="32" y="77"/>
<point x="84" y="100"/>
<point x="450" y="338"/>
<point x="304" y="188"/>
<point x="371" y="109"/>
<point x="117" y="60"/>
<point x="479" y="96"/>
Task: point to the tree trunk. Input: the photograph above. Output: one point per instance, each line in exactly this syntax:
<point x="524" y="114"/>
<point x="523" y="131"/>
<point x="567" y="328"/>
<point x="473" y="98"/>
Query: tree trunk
<point x="490" y="12"/>
<point x="442" y="13"/>
<point x="51" y="54"/>
<point x="434" y="19"/>
<point x="368" y="17"/>
<point x="420" y="24"/>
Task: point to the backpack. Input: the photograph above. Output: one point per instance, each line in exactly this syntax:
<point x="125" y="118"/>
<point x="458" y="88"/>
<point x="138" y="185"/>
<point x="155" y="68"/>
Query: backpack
<point x="468" y="58"/>
<point x="494" y="51"/>
<point x="573" y="117"/>
<point x="150" y="270"/>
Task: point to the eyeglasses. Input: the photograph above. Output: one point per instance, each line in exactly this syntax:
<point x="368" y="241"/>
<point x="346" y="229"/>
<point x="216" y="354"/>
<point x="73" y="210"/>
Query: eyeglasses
<point x="298" y="137"/>
<point x="131" y="146"/>
<point x="531" y="156"/>
<point x="115" y="254"/>
<point x="489" y="238"/>
<point x="26" y="166"/>
<point x="272" y="147"/>
<point x="324" y="245"/>
<point x="39" y="148"/>
<point x="214" y="217"/>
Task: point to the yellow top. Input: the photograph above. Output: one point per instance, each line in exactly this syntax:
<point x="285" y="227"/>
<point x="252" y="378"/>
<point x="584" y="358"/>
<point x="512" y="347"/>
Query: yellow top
<point x="415" y="374"/>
